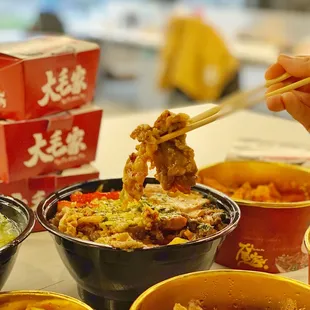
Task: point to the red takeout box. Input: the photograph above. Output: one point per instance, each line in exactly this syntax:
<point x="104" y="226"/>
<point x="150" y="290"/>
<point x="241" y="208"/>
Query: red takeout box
<point x="46" y="75"/>
<point x="31" y="191"/>
<point x="47" y="144"/>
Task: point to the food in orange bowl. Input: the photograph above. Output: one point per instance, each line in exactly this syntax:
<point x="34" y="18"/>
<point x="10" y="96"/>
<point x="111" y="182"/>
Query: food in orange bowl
<point x="275" y="209"/>
<point x="225" y="289"/>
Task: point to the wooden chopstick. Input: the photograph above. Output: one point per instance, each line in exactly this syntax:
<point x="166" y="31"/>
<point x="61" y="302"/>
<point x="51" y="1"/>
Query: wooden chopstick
<point x="205" y="114"/>
<point x="237" y="101"/>
<point x="227" y="106"/>
<point x="289" y="87"/>
<point x="279" y="79"/>
<point x="222" y="113"/>
<point x="233" y="98"/>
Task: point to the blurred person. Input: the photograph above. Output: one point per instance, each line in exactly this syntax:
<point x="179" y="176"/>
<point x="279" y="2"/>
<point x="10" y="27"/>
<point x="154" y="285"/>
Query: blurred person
<point x="296" y="102"/>
<point x="48" y="20"/>
<point x="196" y="61"/>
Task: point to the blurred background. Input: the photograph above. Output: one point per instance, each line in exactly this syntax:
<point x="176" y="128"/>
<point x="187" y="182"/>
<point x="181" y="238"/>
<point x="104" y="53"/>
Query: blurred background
<point x="142" y="66"/>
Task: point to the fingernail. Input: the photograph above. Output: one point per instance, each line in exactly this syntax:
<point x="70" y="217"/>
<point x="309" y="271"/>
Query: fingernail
<point x="286" y="56"/>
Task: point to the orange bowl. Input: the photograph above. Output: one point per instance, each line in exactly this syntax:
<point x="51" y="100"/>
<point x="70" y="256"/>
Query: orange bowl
<point x="270" y="236"/>
<point x="227" y="289"/>
<point x="16" y="300"/>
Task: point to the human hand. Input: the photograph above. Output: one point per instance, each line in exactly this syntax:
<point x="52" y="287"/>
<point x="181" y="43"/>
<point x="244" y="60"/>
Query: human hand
<point x="296" y="102"/>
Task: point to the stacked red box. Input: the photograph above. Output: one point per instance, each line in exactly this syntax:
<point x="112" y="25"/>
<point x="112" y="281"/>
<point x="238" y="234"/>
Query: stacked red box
<point x="47" y="122"/>
<point x="50" y="143"/>
<point x="46" y="75"/>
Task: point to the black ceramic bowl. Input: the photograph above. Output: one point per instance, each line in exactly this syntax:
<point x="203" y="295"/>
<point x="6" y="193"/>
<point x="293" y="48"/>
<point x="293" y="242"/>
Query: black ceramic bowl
<point x="110" y="278"/>
<point x="19" y="213"/>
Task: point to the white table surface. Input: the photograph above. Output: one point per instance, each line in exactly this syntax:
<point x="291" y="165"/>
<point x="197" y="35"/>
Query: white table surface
<point x="38" y="265"/>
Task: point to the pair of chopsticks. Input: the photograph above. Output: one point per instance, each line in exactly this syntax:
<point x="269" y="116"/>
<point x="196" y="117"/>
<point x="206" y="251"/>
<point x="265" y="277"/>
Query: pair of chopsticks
<point x="235" y="102"/>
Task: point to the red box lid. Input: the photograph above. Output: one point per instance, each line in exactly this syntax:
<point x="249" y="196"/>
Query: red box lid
<point x="46" y="75"/>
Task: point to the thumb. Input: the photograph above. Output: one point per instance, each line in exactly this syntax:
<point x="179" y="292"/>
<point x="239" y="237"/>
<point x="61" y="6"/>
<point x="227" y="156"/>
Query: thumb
<point x="296" y="66"/>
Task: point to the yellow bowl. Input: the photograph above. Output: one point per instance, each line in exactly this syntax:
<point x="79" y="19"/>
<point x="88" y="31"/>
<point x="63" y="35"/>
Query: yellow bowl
<point x="224" y="288"/>
<point x="269" y="236"/>
<point x="17" y="300"/>
<point x="236" y="173"/>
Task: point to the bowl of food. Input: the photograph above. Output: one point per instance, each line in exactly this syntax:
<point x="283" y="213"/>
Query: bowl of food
<point x="16" y="223"/>
<point x="114" y="254"/>
<point x="39" y="300"/>
<point x="275" y="205"/>
<point x="225" y="289"/>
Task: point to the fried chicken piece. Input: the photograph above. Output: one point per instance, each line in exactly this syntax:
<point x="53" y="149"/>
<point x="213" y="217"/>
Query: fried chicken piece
<point x="135" y="172"/>
<point x="243" y="192"/>
<point x="175" y="166"/>
<point x="193" y="305"/>
<point x="176" y="222"/>
<point x="174" y="160"/>
<point x="179" y="307"/>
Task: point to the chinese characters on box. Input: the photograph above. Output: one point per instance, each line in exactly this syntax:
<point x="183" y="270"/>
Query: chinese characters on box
<point x="74" y="143"/>
<point x="56" y="90"/>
